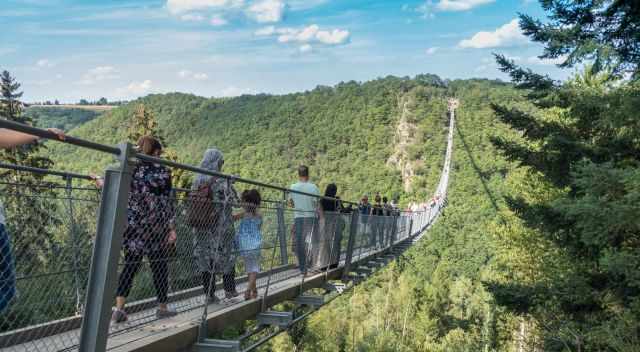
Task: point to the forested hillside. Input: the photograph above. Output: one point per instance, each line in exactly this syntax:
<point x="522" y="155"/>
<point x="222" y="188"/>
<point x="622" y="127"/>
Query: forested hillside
<point x="61" y="118"/>
<point x="433" y="299"/>
<point x="346" y="133"/>
<point x="538" y="249"/>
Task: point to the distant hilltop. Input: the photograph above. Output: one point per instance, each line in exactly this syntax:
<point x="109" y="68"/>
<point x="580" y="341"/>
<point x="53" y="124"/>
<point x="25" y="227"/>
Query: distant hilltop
<point x="74" y="106"/>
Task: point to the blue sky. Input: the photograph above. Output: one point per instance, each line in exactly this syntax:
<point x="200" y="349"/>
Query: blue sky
<point x="122" y="49"/>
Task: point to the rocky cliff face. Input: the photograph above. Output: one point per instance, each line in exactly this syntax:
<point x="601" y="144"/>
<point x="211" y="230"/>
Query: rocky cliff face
<point x="404" y="137"/>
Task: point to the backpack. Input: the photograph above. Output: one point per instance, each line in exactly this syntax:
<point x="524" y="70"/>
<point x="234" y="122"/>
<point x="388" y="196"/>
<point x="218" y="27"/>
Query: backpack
<point x="200" y="208"/>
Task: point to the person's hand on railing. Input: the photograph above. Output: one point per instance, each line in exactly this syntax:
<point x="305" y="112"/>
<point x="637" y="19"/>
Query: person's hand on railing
<point x="59" y="133"/>
<point x="97" y="180"/>
<point x="172" y="237"/>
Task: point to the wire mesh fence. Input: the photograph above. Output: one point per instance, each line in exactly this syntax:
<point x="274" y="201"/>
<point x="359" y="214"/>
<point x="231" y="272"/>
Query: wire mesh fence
<point x="50" y="229"/>
<point x="170" y="264"/>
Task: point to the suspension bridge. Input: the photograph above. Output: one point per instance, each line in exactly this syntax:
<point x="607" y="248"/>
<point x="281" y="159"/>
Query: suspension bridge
<point x="67" y="268"/>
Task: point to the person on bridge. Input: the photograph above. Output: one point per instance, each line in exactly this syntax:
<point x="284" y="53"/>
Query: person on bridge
<point x="330" y="232"/>
<point x="364" y="210"/>
<point x="249" y="238"/>
<point x="10" y="139"/>
<point x="305" y="214"/>
<point x="388" y="219"/>
<point x="150" y="229"/>
<point x="395" y="214"/>
<point x="377" y="222"/>
<point x="215" y="247"/>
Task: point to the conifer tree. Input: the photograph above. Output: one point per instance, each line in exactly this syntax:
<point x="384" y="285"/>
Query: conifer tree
<point x="583" y="142"/>
<point x="32" y="213"/>
<point x="602" y="31"/>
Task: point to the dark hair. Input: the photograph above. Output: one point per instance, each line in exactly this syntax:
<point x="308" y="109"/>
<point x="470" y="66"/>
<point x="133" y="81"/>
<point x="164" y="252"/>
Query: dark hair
<point x="331" y="190"/>
<point x="303" y="171"/>
<point x="330" y="204"/>
<point x="385" y="199"/>
<point x="252" y="198"/>
<point x="148" y="145"/>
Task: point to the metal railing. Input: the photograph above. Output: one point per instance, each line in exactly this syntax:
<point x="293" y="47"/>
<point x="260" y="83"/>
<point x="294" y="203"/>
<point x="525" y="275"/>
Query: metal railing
<point x="71" y="262"/>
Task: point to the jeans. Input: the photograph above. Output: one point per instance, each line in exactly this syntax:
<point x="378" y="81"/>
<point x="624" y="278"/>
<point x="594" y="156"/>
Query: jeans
<point x="304" y="230"/>
<point x="7" y="270"/>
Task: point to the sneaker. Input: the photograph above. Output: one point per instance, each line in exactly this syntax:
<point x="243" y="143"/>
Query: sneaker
<point x="231" y="294"/>
<point x="213" y="300"/>
<point x="165" y="313"/>
<point x="119" y="316"/>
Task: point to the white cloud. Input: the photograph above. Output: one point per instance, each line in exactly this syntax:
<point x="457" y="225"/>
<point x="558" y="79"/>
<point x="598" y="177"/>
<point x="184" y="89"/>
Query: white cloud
<point x="460" y="5"/>
<point x="192" y="17"/>
<point x="182" y="6"/>
<point x="337" y="36"/>
<point x="505" y="36"/>
<point x="198" y="76"/>
<point x="265" y="11"/>
<point x="135" y="89"/>
<point x="432" y="50"/>
<point x="218" y="20"/>
<point x="266" y="31"/>
<point x="306" y="48"/>
<point x="309" y="34"/>
<point x="428" y="8"/>
<point x="534" y="60"/>
<point x="261" y="11"/>
<point x="299" y="5"/>
<point x="44" y="63"/>
<point x="100" y="73"/>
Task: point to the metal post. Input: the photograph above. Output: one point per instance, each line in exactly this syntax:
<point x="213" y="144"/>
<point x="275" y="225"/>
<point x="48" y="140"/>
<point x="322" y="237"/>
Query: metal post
<point x="104" y="264"/>
<point x="394" y="236"/>
<point x="410" y="227"/>
<point x="263" y="307"/>
<point x="73" y="236"/>
<point x="282" y="234"/>
<point x="353" y="230"/>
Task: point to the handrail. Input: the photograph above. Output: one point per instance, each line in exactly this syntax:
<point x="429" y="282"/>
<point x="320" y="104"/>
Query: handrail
<point x="38" y="132"/>
<point x="35" y="170"/>
<point x="232" y="178"/>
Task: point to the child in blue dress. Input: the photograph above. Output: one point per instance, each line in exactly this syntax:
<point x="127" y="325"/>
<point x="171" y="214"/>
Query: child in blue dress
<point x="249" y="238"/>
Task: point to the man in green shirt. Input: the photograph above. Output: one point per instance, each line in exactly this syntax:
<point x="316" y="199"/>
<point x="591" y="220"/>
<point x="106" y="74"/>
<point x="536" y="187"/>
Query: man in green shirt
<point x="305" y="213"/>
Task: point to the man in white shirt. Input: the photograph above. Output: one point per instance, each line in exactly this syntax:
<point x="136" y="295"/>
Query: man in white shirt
<point x="305" y="213"/>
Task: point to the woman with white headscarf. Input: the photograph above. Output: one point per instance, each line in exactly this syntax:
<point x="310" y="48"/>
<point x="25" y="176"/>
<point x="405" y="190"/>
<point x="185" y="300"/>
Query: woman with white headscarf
<point x="214" y="241"/>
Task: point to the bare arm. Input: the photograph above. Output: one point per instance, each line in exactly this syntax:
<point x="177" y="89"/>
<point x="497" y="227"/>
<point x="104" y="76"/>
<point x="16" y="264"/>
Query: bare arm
<point x="238" y="216"/>
<point x="10" y="139"/>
